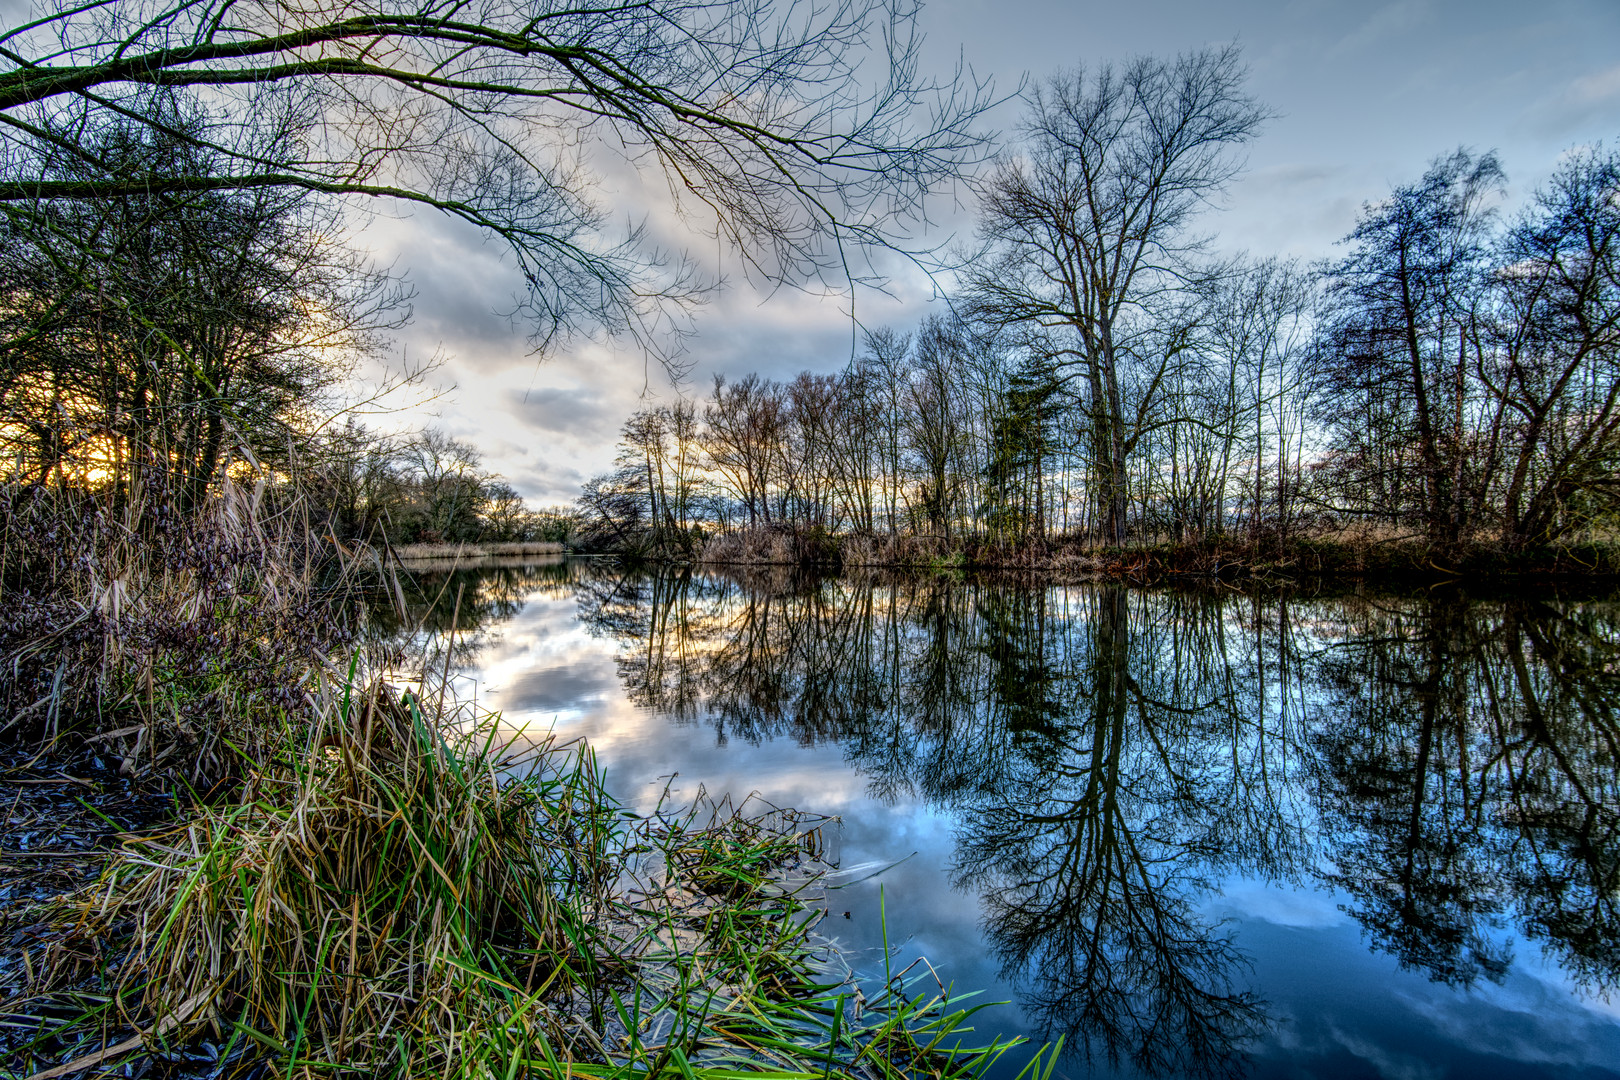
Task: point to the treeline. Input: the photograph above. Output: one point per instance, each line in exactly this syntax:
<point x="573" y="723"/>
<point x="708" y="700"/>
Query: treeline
<point x="179" y="289"/>
<point x="947" y="433"/>
<point x="420" y="487"/>
<point x="200" y="333"/>
<point x="1452" y="377"/>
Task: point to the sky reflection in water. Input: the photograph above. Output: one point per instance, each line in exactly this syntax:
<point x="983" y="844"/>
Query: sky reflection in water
<point x="1197" y="833"/>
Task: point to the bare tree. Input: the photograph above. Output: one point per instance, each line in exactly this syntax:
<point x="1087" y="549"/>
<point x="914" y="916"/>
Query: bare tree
<point x="745" y="426"/>
<point x="1410" y="299"/>
<point x="888" y="363"/>
<point x="1089" y="229"/>
<point x="686" y="482"/>
<point x="853" y="447"/>
<point x="813" y="408"/>
<point x="762" y="115"/>
<point x="1557" y="370"/>
<point x="1247" y="394"/>
<point x="933" y="423"/>
<point x="447" y="474"/>
<point x="176" y="326"/>
<point x="505" y="516"/>
<point x="644" y="453"/>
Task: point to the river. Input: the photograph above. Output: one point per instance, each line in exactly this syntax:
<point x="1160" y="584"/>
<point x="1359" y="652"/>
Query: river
<point x="1195" y="832"/>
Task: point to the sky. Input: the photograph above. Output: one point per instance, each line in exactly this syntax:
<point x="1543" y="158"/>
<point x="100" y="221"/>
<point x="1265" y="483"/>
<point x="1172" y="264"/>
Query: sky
<point x="1365" y="94"/>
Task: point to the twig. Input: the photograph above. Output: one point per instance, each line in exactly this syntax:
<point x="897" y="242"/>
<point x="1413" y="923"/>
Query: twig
<point x="186" y="1008"/>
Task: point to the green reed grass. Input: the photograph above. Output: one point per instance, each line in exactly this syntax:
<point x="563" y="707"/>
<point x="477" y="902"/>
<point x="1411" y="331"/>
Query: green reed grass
<point x="396" y="895"/>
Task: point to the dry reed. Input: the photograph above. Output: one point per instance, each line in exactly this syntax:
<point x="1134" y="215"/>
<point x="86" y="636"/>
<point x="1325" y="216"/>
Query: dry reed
<point x="464" y="552"/>
<point x="173" y="638"/>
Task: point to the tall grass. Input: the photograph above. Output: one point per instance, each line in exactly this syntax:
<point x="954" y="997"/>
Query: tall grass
<point x="391" y="899"/>
<point x="383" y="887"/>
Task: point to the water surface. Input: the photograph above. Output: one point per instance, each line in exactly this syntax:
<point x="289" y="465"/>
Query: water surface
<point x="1194" y="832"/>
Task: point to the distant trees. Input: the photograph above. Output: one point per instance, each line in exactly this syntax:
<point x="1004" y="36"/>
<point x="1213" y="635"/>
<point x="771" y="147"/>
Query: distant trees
<point x="1234" y="418"/>
<point x="1022" y="442"/>
<point x="1454" y="375"/>
<point x="418" y="487"/>
<point x="889" y="444"/>
<point x="746" y="427"/>
<point x="658" y="491"/>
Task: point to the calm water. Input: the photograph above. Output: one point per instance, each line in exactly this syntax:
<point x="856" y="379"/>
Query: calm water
<point x="1195" y="832"/>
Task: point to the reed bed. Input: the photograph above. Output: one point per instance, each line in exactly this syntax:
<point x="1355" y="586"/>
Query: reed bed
<point x="398" y="894"/>
<point x="169" y="640"/>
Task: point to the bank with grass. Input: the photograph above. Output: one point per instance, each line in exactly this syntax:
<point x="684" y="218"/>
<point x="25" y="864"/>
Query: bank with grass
<point x="1344" y="556"/>
<point x="467" y="552"/>
<point x="347" y="872"/>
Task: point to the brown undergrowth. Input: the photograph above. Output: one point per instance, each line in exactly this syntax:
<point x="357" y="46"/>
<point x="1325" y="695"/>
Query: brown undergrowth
<point x="1350" y="554"/>
<point x="170" y="640"/>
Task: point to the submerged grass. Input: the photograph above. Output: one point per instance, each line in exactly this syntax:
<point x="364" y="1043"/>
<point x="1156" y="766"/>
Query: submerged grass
<point x="396" y="895"/>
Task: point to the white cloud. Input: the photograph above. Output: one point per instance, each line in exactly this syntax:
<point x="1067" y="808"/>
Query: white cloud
<point x="1282" y="906"/>
<point x="1391" y="21"/>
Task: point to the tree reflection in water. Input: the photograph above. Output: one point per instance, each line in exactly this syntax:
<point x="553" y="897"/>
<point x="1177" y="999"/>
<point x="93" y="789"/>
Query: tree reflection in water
<point x="1469" y="761"/>
<point x="438" y="606"/>
<point x="1110" y="755"/>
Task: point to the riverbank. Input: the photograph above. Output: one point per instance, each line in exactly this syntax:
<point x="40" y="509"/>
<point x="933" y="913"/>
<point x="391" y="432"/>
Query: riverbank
<point x="233" y="848"/>
<point x="1348" y="555"/>
<point x="465" y="553"/>
<point x="403" y="891"/>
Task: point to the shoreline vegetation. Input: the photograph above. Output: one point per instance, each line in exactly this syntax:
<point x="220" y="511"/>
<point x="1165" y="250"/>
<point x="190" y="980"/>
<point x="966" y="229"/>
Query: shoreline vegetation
<point x="336" y="876"/>
<point x="1351" y="555"/>
<point x="272" y="859"/>
<point x="378" y="902"/>
<point x="1442" y="398"/>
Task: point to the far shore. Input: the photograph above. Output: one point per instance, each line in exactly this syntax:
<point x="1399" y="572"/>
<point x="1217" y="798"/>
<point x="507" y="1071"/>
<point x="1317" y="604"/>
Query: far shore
<point x="1350" y="555"/>
<point x="467" y="553"/>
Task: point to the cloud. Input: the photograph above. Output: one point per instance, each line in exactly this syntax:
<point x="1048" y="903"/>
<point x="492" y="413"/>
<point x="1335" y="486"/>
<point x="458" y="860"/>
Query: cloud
<point x="557" y="689"/>
<point x="1254" y="899"/>
<point x="1598" y="88"/>
<point x="1384" y="1062"/>
<point x="1368" y="94"/>
<point x="562" y="410"/>
<point x="1586" y="101"/>
<point x="1390" y="21"/>
<point x="547" y="483"/>
<point x="1295" y="208"/>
